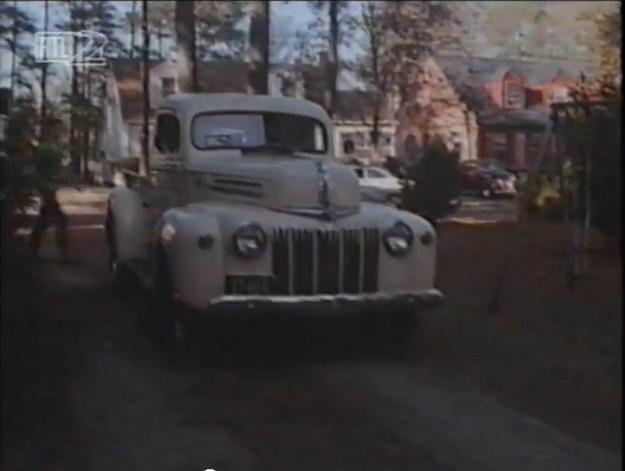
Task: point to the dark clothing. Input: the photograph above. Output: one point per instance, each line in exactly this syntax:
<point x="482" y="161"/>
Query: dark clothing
<point x="50" y="212"/>
<point x="47" y="180"/>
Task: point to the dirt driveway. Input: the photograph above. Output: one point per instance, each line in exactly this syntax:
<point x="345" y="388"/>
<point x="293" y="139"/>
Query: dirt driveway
<point x="94" y="394"/>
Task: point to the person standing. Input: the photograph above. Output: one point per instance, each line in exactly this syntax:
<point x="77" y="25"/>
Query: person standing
<point x="47" y="182"/>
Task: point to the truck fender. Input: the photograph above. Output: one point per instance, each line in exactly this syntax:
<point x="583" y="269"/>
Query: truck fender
<point x="196" y="270"/>
<point x="130" y="230"/>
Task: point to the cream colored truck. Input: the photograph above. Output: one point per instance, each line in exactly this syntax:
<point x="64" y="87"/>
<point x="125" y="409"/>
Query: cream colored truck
<point x="245" y="209"/>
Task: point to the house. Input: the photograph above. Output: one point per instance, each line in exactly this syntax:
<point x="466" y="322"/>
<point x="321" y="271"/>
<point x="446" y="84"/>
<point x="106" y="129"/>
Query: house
<point x="485" y="107"/>
<point x="435" y="108"/>
<point x="481" y="107"/>
<point x="123" y="115"/>
<point x="511" y="99"/>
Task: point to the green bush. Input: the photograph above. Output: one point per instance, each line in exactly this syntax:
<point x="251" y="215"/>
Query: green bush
<point x="436" y="181"/>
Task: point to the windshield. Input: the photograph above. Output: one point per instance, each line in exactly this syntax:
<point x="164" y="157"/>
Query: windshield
<point x="262" y="131"/>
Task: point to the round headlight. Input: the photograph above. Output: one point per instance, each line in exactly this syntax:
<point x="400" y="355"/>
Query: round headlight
<point x="167" y="233"/>
<point x="398" y="239"/>
<point x="249" y="241"/>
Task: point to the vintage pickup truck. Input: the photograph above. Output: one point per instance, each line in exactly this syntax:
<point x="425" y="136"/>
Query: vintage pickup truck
<point x="246" y="209"/>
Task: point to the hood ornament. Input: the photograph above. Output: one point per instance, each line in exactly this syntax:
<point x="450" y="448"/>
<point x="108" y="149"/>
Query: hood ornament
<point x="324" y="191"/>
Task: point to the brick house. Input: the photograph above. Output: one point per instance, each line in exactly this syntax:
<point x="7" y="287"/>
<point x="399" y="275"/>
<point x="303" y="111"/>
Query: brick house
<point x="511" y="100"/>
<point x="485" y="107"/>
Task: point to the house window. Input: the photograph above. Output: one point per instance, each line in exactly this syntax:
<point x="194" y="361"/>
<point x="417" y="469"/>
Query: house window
<point x="513" y="90"/>
<point x="167" y="133"/>
<point x="513" y="95"/>
<point x="168" y="86"/>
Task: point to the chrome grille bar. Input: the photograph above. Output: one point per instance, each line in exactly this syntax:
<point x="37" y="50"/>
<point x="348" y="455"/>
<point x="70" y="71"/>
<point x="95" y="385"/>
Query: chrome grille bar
<point x="315" y="261"/>
<point x="361" y="265"/>
<point x="291" y="261"/>
<point x="341" y="259"/>
<point x="311" y="262"/>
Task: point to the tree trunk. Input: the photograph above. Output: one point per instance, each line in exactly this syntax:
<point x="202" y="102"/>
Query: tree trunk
<point x="44" y="77"/>
<point x="333" y="59"/>
<point x="159" y="36"/>
<point x="185" y="36"/>
<point x="73" y="151"/>
<point x="86" y="148"/>
<point x="13" y="55"/>
<point x="259" y="47"/>
<point x="132" y="29"/>
<point x="145" y="78"/>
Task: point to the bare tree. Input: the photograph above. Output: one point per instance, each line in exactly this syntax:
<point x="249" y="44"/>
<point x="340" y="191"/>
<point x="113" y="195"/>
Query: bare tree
<point x="371" y="68"/>
<point x="132" y="18"/>
<point x="145" y="77"/>
<point x="218" y="36"/>
<point x="339" y="23"/>
<point x="44" y="77"/>
<point x="259" y="46"/>
<point x="185" y="36"/>
<point x="416" y="30"/>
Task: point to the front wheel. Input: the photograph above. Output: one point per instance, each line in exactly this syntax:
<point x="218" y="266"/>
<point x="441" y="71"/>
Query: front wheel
<point x="169" y="328"/>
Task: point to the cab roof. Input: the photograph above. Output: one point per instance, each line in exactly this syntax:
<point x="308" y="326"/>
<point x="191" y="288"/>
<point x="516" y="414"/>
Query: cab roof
<point x="193" y="103"/>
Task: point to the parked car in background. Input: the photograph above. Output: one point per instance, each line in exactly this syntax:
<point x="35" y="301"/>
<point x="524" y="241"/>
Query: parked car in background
<point x="378" y="185"/>
<point x="377" y="177"/>
<point x="496" y="164"/>
<point x="486" y="179"/>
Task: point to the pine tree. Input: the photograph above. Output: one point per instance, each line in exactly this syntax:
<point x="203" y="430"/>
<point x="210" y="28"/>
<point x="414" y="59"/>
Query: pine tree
<point x="14" y="24"/>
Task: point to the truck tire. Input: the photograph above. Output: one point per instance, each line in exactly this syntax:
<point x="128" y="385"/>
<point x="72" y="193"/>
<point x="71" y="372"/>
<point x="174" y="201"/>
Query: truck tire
<point x="170" y="330"/>
<point x="119" y="272"/>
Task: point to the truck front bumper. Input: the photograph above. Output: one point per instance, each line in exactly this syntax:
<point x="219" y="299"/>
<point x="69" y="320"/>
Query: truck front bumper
<point x="318" y="305"/>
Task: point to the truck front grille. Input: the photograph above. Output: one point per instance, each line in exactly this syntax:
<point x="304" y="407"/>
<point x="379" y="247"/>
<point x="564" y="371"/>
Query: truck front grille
<point x="307" y="262"/>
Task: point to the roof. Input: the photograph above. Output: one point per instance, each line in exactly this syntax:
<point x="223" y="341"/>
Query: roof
<point x="193" y="103"/>
<point x="484" y="70"/>
<point x="468" y="74"/>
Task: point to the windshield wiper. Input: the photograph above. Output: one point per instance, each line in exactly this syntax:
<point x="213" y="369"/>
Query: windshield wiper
<point x="269" y="147"/>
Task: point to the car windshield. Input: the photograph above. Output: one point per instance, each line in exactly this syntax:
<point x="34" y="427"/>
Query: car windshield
<point x="258" y="131"/>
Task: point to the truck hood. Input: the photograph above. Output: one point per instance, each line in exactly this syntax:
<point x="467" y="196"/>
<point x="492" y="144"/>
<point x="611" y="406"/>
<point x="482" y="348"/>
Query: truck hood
<point x="295" y="184"/>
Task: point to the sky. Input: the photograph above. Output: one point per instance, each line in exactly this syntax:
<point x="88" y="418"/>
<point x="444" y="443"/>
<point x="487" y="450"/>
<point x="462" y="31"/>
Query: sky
<point x="290" y="17"/>
<point x="287" y="19"/>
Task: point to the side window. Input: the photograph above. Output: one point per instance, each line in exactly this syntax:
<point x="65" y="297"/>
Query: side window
<point x="167" y="133"/>
<point x="358" y="172"/>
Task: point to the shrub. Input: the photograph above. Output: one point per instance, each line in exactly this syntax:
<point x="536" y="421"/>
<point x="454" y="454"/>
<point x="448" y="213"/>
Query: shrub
<point x="436" y="180"/>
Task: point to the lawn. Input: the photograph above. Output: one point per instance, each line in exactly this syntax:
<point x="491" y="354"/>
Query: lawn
<point x="550" y="351"/>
